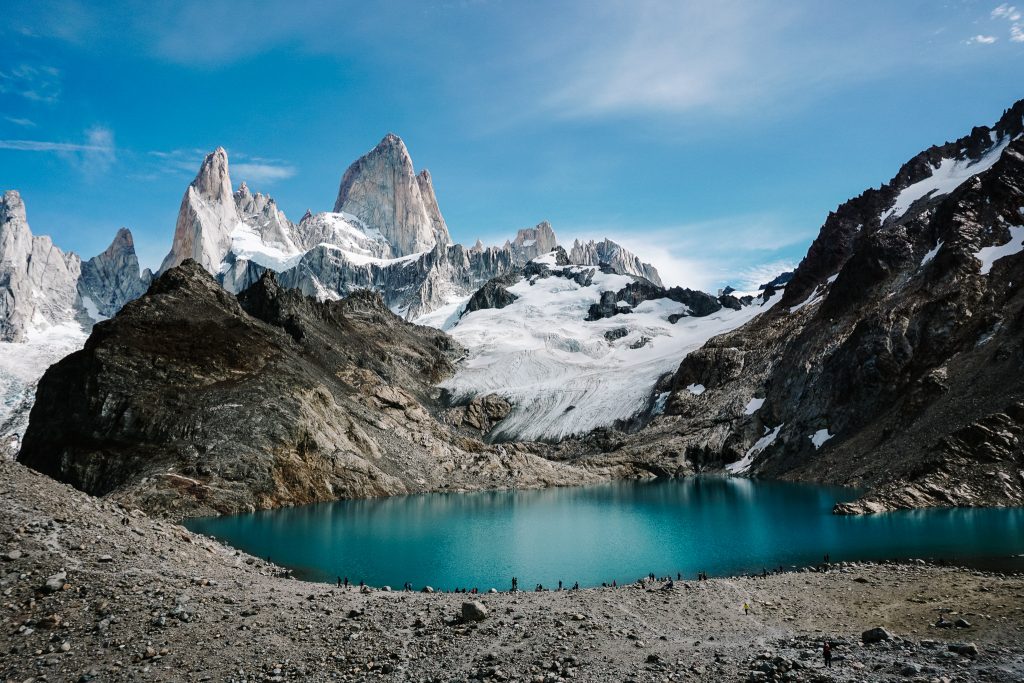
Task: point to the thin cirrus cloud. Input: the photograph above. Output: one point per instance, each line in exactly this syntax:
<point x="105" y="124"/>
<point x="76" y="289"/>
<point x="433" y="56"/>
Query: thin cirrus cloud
<point x="242" y="166"/>
<point x="95" y="155"/>
<point x="261" y="172"/>
<point x="24" y="123"/>
<point x="35" y="83"/>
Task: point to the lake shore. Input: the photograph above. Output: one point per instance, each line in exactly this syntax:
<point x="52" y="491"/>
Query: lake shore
<point x="93" y="591"/>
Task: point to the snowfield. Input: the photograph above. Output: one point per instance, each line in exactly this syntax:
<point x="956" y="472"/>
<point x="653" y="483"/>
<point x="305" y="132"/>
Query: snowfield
<point x="561" y="374"/>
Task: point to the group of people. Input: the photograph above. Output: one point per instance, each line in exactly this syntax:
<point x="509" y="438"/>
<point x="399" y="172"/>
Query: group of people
<point x="343" y="582"/>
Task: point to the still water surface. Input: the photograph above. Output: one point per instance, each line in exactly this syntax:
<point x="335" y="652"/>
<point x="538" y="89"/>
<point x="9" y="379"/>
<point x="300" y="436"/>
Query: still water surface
<point x="596" y="534"/>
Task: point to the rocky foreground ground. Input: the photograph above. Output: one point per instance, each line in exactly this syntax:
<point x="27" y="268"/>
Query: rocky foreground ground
<point x="91" y="591"/>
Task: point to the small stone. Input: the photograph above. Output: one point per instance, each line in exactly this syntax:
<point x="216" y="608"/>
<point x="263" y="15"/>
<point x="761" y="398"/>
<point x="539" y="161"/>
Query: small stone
<point x="56" y="582"/>
<point x="964" y="649"/>
<point x="12" y="555"/>
<point x="474" y="611"/>
<point x="962" y="623"/>
<point x="51" y="622"/>
<point x="106" y="558"/>
<point x="875" y="635"/>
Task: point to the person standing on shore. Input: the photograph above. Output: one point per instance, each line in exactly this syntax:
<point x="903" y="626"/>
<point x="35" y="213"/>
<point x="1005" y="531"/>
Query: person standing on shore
<point x="746" y="608"/>
<point x="826" y="653"/>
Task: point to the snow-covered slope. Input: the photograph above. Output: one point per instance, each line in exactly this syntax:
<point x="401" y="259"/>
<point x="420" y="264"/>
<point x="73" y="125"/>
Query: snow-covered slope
<point x="565" y="374"/>
<point x="21" y="366"/>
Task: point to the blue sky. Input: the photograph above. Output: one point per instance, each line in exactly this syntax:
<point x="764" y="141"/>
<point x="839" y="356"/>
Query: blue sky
<point x="710" y="137"/>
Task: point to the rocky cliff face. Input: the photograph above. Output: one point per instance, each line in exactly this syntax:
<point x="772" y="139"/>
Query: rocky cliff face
<point x="41" y="286"/>
<point x="207" y="217"/>
<point x="386" y="233"/>
<point x="37" y="280"/>
<point x="192" y="400"/>
<point x="615" y="256"/>
<point x="382" y="190"/>
<point x="112" y="278"/>
<point x="893" y="359"/>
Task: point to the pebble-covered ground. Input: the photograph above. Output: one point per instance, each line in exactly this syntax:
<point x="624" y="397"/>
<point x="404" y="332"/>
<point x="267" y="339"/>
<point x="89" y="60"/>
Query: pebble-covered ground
<point x="90" y="591"/>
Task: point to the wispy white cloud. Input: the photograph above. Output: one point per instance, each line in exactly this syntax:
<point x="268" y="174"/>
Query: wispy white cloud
<point x="241" y="166"/>
<point x="24" y="123"/>
<point x="101" y="152"/>
<point x="1006" y="11"/>
<point x="261" y="172"/>
<point x="95" y="155"/>
<point x="36" y="83"/>
<point x="981" y="40"/>
<point x="750" y="278"/>
<point x="1011" y="14"/>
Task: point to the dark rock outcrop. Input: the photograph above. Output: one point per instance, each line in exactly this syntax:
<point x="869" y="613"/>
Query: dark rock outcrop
<point x="893" y="360"/>
<point x="492" y="295"/>
<point x="194" y="401"/>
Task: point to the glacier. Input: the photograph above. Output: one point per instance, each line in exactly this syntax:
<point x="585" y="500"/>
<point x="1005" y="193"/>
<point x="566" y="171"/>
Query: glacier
<point x="562" y="374"/>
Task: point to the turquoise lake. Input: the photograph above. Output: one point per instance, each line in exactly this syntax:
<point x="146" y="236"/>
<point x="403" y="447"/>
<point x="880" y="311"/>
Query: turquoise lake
<point x="596" y="534"/>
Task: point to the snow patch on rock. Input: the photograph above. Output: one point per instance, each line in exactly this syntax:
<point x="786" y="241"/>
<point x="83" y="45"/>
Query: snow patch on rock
<point x="753" y="405"/>
<point x="819" y="438"/>
<point x="744" y="463"/>
<point x="946" y="177"/>
<point x="989" y="255"/>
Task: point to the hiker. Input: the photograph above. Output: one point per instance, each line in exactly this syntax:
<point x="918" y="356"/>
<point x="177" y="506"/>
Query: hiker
<point x="826" y="652"/>
<point x="746" y="608"/>
<point x="576" y="586"/>
<point x="679" y="576"/>
<point x="346" y="583"/>
<point x="339" y="582"/>
<point x="515" y="584"/>
<point x="764" y="573"/>
<point x="559" y="584"/>
<point x="614" y="585"/>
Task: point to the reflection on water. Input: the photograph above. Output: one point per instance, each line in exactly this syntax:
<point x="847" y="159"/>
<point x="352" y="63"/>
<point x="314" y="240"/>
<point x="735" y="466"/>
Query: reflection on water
<point x="595" y="534"/>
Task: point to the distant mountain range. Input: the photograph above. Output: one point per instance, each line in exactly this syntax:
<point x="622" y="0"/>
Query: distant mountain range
<point x="386" y="233"/>
<point x="888" y="360"/>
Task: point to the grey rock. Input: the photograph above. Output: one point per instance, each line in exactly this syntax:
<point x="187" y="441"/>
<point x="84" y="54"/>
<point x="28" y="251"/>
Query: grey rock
<point x="614" y="255"/>
<point x="111" y="279"/>
<point x="206" y="218"/>
<point x="474" y="611"/>
<point x="382" y="190"/>
<point x="964" y="649"/>
<point x="875" y="635"/>
<point x="55" y="582"/>
<point x="37" y="280"/>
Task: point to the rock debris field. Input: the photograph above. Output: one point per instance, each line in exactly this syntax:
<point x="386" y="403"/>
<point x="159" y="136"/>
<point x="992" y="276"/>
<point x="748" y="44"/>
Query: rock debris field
<point x="91" y="591"/>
